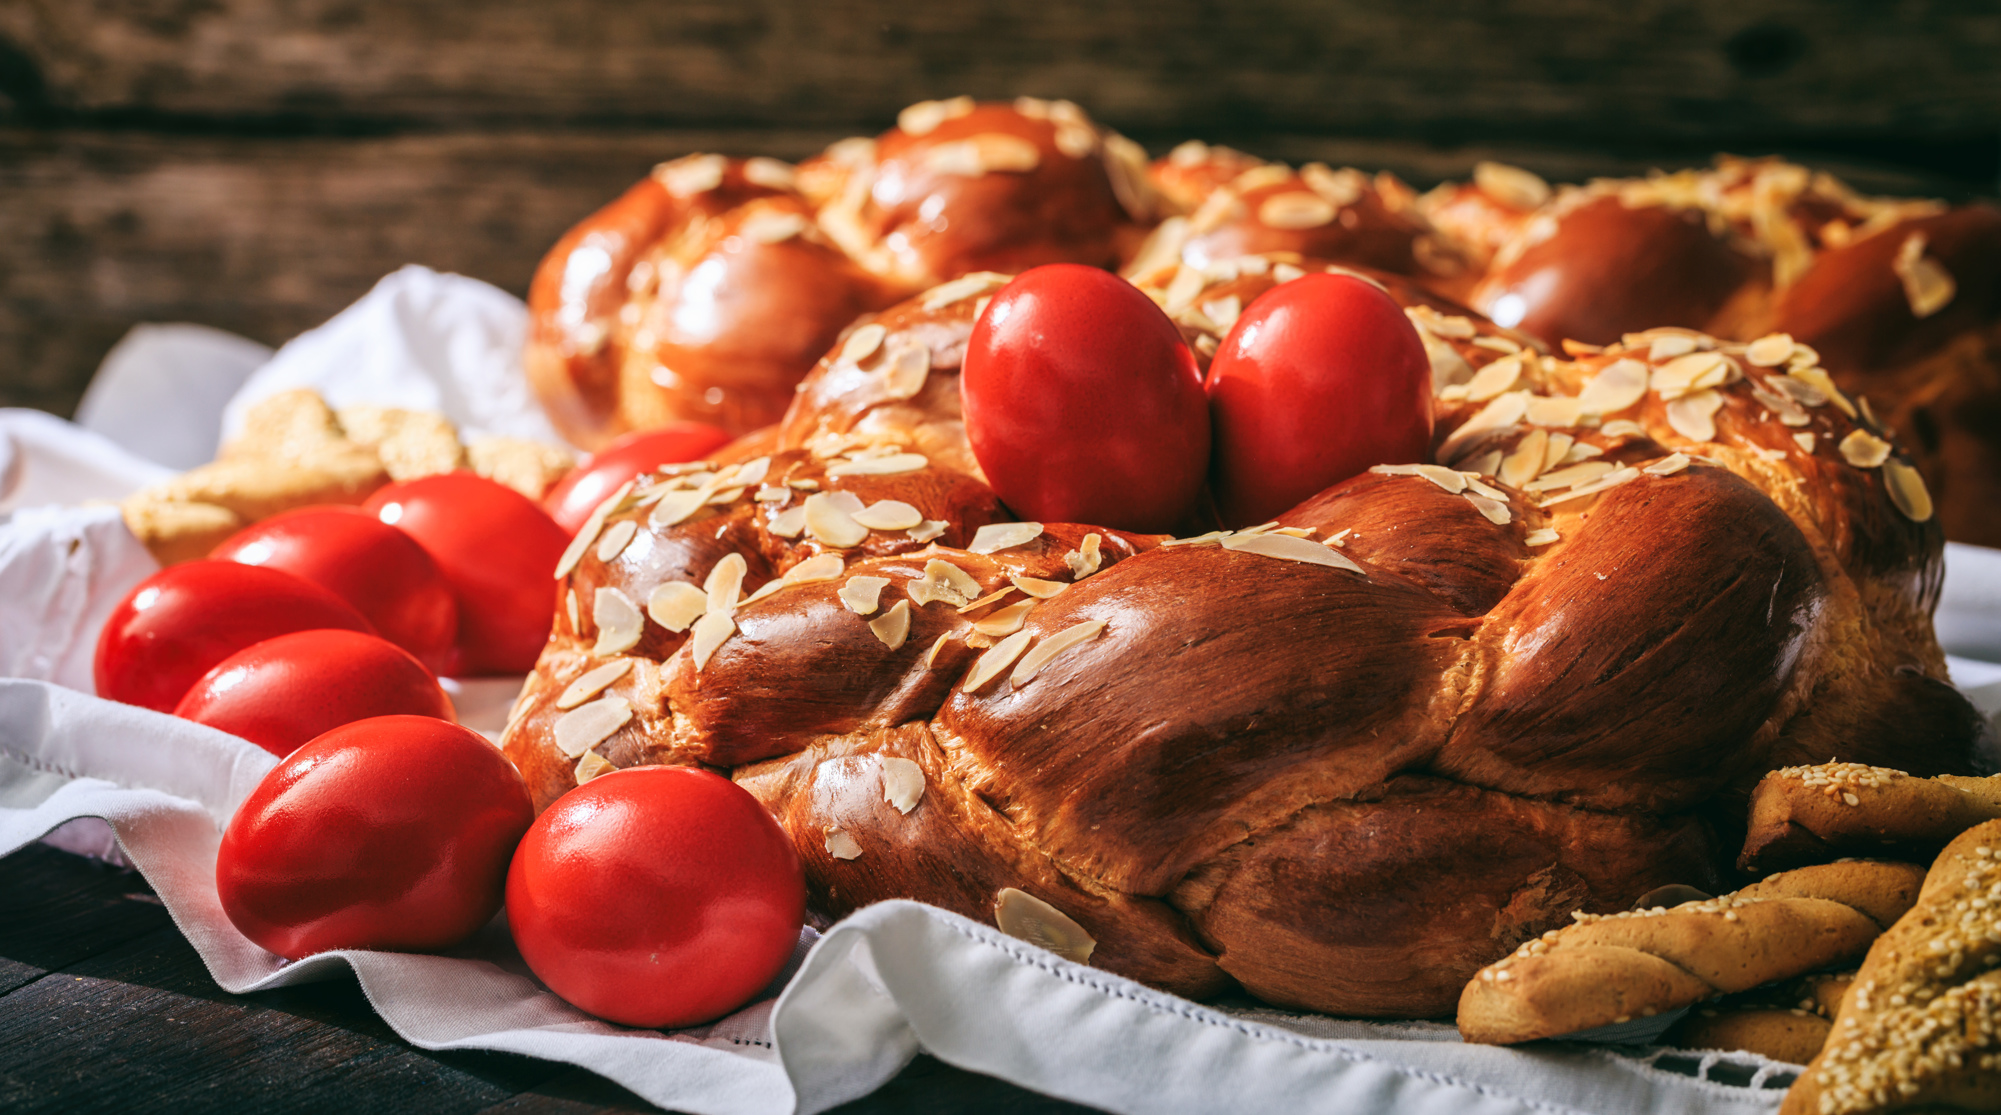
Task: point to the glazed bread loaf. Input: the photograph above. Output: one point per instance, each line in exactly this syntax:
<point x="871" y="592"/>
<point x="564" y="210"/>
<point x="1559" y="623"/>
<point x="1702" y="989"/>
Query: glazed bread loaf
<point x="1342" y="760"/>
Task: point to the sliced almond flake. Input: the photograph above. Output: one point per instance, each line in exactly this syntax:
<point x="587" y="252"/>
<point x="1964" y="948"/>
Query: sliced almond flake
<point x="888" y="514"/>
<point x="1511" y="185"/>
<point x="819" y="567"/>
<point x="1085" y="559"/>
<point x="1005" y="621"/>
<point x="1623" y="427"/>
<point x="1694" y="416"/>
<point x="691" y="174"/>
<point x="1769" y="351"/>
<point x="893" y="626"/>
<point x="989" y="598"/>
<point x="1296" y="209"/>
<point x="1451" y="375"/>
<point x="570" y="606"/>
<point x="1266" y="528"/>
<point x="1582" y="451"/>
<point x="1559" y="445"/>
<point x="1302" y="532"/>
<point x="751" y="473"/>
<point x="1819" y="380"/>
<point x="1774" y="455"/>
<point x="1542" y="536"/>
<point x="1678" y="377"/>
<point x="725" y="582"/>
<point x="1804" y="356"/>
<point x="902" y="783"/>
<point x="1431" y="321"/>
<point x="1781" y="402"/>
<point x="591" y="766"/>
<point x="1025" y="917"/>
<point x="676" y="507"/>
<point x="924" y="117"/>
<point x="906" y="371"/>
<point x="842" y="846"/>
<point x="1285" y="273"/>
<point x="1618" y="385"/>
<point x="1046" y="651"/>
<point x="1907" y="490"/>
<point x="616" y="539"/>
<point x="618" y="622"/>
<point x="1569" y="477"/>
<point x="1209" y="539"/>
<point x="1526" y="460"/>
<point x="586" y="726"/>
<point x="862" y="343"/>
<point x="1493" y="509"/>
<point x="1499" y="414"/>
<point x="1340" y="537"/>
<point x="1343" y="187"/>
<point x="1804" y="441"/>
<point x="995" y="537"/>
<point x="790" y="523"/>
<point x="1553" y="410"/>
<point x="769" y="173"/>
<point x="773" y="494"/>
<point x="592" y="683"/>
<point x="1668" y="465"/>
<point x="926" y="530"/>
<point x="996" y="659"/>
<point x="1444" y="477"/>
<point x="1038" y="588"/>
<point x="1864" y="449"/>
<point x="766" y="589"/>
<point x="1486" y="464"/>
<point x="879" y="466"/>
<point x="710" y="632"/>
<point x="803" y="484"/>
<point x="725" y="497"/>
<point x="766" y="226"/>
<point x="1480" y="487"/>
<point x="1492" y="380"/>
<point x="1224" y="311"/>
<point x="1670" y="345"/>
<point x="827" y="521"/>
<point x="1287" y="548"/>
<point x="1498" y="344"/>
<point x="1610" y="480"/>
<point x="863" y="595"/>
<point x="588" y="533"/>
<point x="931" y="656"/>
<point x="961" y="288"/>
<point x="1187" y="285"/>
<point x="977" y="641"/>
<point x="943" y="581"/>
<point x="1928" y="286"/>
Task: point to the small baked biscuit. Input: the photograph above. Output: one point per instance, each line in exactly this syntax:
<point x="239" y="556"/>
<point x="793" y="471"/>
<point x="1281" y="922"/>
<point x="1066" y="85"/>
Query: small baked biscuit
<point x="410" y="443"/>
<point x="1809" y="814"/>
<point x="177" y="531"/>
<point x="528" y="467"/>
<point x="1787" y="1021"/>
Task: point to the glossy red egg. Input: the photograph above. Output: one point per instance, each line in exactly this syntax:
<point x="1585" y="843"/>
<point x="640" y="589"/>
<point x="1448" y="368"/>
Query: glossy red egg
<point x="388" y="833"/>
<point x="597" y="476"/>
<point x="285" y="691"/>
<point x="177" y="624"/>
<point x="380" y="570"/>
<point x="497" y="550"/>
<point x="1083" y="404"/>
<point x="1319" y="379"/>
<point x="656" y="896"/>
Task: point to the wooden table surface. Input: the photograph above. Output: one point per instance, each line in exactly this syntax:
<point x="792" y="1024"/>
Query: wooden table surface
<point x="104" y="1006"/>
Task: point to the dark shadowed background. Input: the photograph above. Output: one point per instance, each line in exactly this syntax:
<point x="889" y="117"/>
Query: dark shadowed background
<point x="257" y="164"/>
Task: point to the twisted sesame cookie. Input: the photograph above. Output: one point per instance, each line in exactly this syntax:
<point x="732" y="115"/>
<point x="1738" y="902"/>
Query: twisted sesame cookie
<point x="1786" y="1021"/>
<point x="1611" y="968"/>
<point x="1803" y="814"/>
<point x="1922" y="1024"/>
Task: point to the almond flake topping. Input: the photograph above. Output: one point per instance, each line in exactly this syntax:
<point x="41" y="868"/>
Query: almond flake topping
<point x="1038" y="588"/>
<point x="924" y="117"/>
<point x="591" y="766"/>
<point x="1296" y="209"/>
<point x="961" y="288"/>
<point x="1617" y="386"/>
<point x="943" y="581"/>
<point x="862" y="343"/>
<point x="1493" y="509"/>
<point x="863" y="595"/>
<point x="1553" y="410"/>
<point x="592" y="683"/>
<point x="906" y="370"/>
<point x="725" y="582"/>
<point x="769" y="173"/>
<point x="1581" y="452"/>
<point x="1499" y="414"/>
<point x="771" y="493"/>
<point x="1480" y="487"/>
<point x="1023" y="916"/>
<point x="938" y="644"/>
<point x="1611" y="479"/>
<point x="1559" y="447"/>
<point x="819" y="567"/>
<point x="1623" y="427"/>
<point x="1670" y="345"/>
<point x="1005" y="621"/>
<point x="1212" y="538"/>
<point x="1183" y="289"/>
<point x="765" y="226"/>
<point x="1928" y="286"/>
<point x="832" y="520"/>
<point x="1769" y="351"/>
<point x="1046" y="651"/>
<point x="583" y="728"/>
<point x="1526" y="460"/>
<point x="1499" y="376"/>
<point x="1820" y="381"/>
<point x="789" y="523"/>
<point x="710" y="632"/>
<point x="995" y="537"/>
<point x="1569" y="477"/>
<point x="615" y="540"/>
<point x="997" y="658"/>
<point x="982" y="154"/>
<point x="1431" y="321"/>
<point x="1542" y="536"/>
<point x="570" y="606"/>
<point x="1511" y="185"/>
<point x="588" y="533"/>
<point x="1285" y="272"/>
<point x="1907" y="490"/>
<point x="893" y="626"/>
<point x="1864" y="449"/>
<point x="1085" y="559"/>
<point x="902" y="782"/>
<point x="1687" y="374"/>
<point x="990" y="598"/>
<point x="926" y="530"/>
<point x="1224" y="311"/>
<point x="1287" y="548"/>
<point x="842" y="846"/>
<point x="692" y="174"/>
<point x="1668" y="465"/>
<point x="618" y="621"/>
<point x="1804" y="441"/>
<point x="1446" y="478"/>
<point x="1694" y="416"/>
<point x="888" y="514"/>
<point x="879" y="466"/>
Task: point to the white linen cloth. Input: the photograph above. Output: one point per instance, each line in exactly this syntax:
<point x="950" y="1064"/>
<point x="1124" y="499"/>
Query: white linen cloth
<point x="861" y="1000"/>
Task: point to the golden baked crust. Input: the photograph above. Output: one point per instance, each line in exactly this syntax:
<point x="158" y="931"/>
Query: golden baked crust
<point x="1812" y="813"/>
<point x="1786" y="1021"/>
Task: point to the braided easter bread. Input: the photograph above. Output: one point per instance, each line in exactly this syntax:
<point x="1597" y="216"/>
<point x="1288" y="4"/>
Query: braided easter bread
<point x="1814" y="813"/>
<point x="1608" y="969"/>
<point x="1921" y="1026"/>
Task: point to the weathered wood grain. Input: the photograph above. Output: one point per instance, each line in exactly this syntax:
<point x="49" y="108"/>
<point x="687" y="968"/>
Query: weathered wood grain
<point x="1715" y="69"/>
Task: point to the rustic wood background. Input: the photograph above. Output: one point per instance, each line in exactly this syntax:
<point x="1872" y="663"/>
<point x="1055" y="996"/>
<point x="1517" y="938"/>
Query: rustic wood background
<point x="257" y="164"/>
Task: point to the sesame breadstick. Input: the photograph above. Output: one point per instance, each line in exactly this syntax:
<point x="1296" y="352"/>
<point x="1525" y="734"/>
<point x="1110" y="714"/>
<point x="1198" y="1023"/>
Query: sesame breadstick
<point x="1812" y="814"/>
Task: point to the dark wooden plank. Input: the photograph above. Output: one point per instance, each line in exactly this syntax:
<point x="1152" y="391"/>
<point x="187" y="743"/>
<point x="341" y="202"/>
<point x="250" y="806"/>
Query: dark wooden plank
<point x="1692" y="68"/>
<point x="62" y="908"/>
